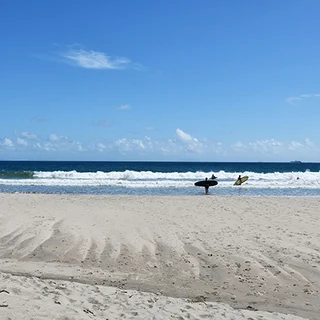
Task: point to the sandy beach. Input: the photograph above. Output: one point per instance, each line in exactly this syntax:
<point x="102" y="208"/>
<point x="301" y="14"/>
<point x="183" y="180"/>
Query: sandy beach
<point x="159" y="257"/>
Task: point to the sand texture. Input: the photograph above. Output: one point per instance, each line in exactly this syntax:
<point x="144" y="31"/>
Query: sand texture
<point x="138" y="257"/>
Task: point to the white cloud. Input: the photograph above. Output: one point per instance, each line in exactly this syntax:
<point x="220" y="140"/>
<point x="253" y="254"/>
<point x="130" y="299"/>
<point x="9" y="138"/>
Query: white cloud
<point x="7" y="143"/>
<point x="129" y="145"/>
<point x="165" y="150"/>
<point x="266" y="146"/>
<point x="293" y="145"/>
<point x="309" y="143"/>
<point x="292" y="100"/>
<point x="57" y="143"/>
<point x="239" y="146"/>
<point x="46" y="146"/>
<point x="172" y="143"/>
<point x="77" y="146"/>
<point x="123" y="143"/>
<point x="22" y="142"/>
<point x="54" y="138"/>
<point x="28" y="135"/>
<point x="124" y="107"/>
<point x="148" y="143"/>
<point x="185" y="136"/>
<point x="101" y="147"/>
<point x="95" y="59"/>
<point x="37" y="146"/>
<point x="138" y="143"/>
<point x="190" y="143"/>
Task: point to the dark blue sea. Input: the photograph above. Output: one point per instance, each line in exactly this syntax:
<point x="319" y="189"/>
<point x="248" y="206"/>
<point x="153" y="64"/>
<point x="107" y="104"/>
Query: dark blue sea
<point x="160" y="178"/>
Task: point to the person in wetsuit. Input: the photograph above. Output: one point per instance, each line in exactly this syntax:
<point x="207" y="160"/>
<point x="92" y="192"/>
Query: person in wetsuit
<point x="206" y="187"/>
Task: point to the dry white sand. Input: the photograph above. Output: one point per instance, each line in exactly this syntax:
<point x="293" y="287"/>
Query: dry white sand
<point x="137" y="257"/>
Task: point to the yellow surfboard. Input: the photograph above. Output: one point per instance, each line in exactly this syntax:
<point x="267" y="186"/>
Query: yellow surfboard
<point x="240" y="181"/>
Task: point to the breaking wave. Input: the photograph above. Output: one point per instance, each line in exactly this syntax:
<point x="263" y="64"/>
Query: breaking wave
<point x="149" y="179"/>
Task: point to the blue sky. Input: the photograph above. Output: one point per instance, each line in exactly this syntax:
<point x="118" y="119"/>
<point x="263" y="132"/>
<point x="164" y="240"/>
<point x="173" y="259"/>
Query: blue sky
<point x="160" y="80"/>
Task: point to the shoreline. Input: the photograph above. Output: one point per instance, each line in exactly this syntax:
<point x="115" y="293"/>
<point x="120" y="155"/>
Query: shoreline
<point x="191" y="195"/>
<point x="261" y="252"/>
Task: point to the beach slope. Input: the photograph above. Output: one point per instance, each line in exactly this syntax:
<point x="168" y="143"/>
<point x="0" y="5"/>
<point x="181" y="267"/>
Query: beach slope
<point x="88" y="256"/>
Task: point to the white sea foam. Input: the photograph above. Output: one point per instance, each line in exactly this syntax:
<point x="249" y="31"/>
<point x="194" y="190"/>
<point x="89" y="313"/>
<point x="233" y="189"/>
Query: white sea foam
<point x="148" y="179"/>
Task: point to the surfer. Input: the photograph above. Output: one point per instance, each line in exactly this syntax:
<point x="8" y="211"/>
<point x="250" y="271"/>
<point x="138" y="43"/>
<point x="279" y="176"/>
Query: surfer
<point x="206" y="183"/>
<point x="241" y="180"/>
<point x="206" y="187"/>
<point x="213" y="177"/>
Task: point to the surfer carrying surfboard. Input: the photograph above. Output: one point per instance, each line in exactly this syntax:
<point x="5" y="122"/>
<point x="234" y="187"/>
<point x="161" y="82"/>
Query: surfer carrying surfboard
<point x="241" y="180"/>
<point x="206" y="187"/>
<point x="206" y="184"/>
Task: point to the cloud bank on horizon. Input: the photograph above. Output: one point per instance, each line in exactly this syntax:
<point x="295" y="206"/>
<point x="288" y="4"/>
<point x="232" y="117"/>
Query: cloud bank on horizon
<point x="182" y="146"/>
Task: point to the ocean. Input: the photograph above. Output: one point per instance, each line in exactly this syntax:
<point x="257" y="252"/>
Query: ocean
<point x="159" y="178"/>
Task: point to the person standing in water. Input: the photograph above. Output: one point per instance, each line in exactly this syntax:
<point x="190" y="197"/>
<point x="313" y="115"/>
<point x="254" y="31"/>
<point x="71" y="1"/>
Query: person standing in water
<point x="206" y="187"/>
